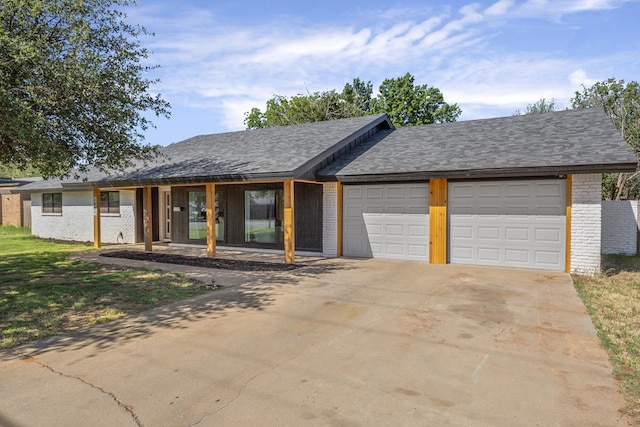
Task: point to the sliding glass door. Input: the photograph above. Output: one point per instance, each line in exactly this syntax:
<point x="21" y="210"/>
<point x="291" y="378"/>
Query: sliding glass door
<point x="263" y="216"/>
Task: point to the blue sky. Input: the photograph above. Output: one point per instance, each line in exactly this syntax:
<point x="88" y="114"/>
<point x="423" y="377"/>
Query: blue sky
<point x="219" y="59"/>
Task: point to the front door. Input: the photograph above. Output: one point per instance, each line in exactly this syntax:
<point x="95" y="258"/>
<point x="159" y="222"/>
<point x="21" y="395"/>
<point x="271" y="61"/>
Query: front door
<point x="166" y="217"/>
<point x="220" y="216"/>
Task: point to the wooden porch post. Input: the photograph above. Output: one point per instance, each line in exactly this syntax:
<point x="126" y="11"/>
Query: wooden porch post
<point x="289" y="223"/>
<point x="96" y="218"/>
<point x="147" y="210"/>
<point x="438" y="221"/>
<point x="211" y="219"/>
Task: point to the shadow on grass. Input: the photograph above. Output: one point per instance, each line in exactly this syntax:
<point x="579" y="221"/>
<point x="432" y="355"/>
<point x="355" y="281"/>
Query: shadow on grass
<point x="615" y="264"/>
<point x="258" y="291"/>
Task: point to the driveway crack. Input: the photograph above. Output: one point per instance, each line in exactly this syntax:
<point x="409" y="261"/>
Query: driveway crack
<point x="120" y="403"/>
<point x="245" y="385"/>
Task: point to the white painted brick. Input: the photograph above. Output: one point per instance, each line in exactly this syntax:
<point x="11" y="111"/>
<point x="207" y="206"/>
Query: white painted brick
<point x="586" y="223"/>
<point x="330" y="219"/>
<point x="120" y="228"/>
<point x="76" y="221"/>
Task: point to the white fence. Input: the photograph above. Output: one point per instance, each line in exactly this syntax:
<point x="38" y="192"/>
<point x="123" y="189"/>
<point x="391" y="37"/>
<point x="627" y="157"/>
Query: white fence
<point x="619" y="227"/>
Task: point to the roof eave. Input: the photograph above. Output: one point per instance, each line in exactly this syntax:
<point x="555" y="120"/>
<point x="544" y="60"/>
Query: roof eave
<point x="482" y="173"/>
<point x="196" y="180"/>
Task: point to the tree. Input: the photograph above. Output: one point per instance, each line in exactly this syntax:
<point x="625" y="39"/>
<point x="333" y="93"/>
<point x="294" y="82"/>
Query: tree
<point x="622" y="103"/>
<point x="314" y="107"/>
<point x="406" y="104"/>
<point x="538" y="107"/>
<point x="73" y="91"/>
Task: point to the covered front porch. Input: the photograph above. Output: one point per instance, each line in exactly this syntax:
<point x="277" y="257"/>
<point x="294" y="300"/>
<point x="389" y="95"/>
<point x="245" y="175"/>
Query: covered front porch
<point x="245" y="219"/>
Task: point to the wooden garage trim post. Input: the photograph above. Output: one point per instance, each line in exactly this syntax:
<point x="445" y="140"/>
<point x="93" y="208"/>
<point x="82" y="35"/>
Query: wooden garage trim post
<point x="438" y="221"/>
<point x="146" y="219"/>
<point x="210" y="197"/>
<point x="567" y="244"/>
<point x="289" y="223"/>
<point x="96" y="219"/>
<point x="339" y="218"/>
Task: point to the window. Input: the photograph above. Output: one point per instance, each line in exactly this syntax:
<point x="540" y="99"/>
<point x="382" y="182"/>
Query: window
<point x="109" y="202"/>
<point x="197" y="215"/>
<point x="52" y="203"/>
<point x="263" y="216"/>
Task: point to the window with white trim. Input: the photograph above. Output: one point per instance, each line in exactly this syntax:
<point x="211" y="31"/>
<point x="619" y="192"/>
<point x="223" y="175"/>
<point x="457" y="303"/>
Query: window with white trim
<point x="52" y="203"/>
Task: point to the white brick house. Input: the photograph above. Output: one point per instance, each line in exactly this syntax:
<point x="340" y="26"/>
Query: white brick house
<point x="520" y="191"/>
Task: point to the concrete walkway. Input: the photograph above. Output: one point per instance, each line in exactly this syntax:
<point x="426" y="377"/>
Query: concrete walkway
<point x="341" y="343"/>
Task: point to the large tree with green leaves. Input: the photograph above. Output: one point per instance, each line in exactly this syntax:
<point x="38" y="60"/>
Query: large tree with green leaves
<point x="409" y="104"/>
<point x="622" y="103"/>
<point x="73" y="86"/>
<point x="540" y="106"/>
<point x="406" y="103"/>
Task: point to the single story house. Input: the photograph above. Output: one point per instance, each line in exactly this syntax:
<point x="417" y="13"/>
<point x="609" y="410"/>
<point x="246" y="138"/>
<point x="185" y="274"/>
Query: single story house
<point x="15" y="209"/>
<point x="520" y="191"/>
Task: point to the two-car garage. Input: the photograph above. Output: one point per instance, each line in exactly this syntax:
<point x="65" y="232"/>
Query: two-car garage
<point x="510" y="223"/>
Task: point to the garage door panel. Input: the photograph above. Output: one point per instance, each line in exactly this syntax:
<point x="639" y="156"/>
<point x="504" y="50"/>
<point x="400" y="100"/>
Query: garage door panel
<point x="508" y="223"/>
<point x="374" y="193"/>
<point x="553" y="189"/>
<point x="488" y="254"/>
<point x="353" y="212"/>
<point x="396" y="225"/>
<point x="491" y="233"/>
<point x="517" y="256"/>
<point x="419" y="192"/>
<point x="519" y="234"/>
<point x="418" y="231"/>
<point x="489" y="190"/>
<point x="418" y="250"/>
<point x="549" y="258"/>
<point x="352" y="193"/>
<point x="551" y="235"/>
<point x="395" y="192"/>
<point x="395" y="230"/>
<point x="518" y="190"/>
<point x="373" y="209"/>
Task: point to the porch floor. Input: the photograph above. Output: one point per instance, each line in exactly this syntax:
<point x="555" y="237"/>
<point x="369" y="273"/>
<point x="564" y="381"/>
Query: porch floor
<point x="226" y="253"/>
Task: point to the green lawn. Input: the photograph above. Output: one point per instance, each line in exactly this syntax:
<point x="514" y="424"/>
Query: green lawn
<point x="613" y="301"/>
<point x="43" y="293"/>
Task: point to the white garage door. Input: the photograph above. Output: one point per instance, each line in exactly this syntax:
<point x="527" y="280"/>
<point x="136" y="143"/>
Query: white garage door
<point x="386" y="221"/>
<point x="508" y="223"/>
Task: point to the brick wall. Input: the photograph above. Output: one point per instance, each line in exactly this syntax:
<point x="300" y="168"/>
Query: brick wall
<point x="619" y="227"/>
<point x="120" y="228"/>
<point x="586" y="223"/>
<point x="76" y="220"/>
<point x="11" y="209"/>
<point x="330" y="219"/>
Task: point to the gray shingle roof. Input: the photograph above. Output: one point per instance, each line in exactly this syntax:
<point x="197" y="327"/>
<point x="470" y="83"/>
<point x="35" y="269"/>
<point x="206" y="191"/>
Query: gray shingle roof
<point x="559" y="142"/>
<point x="535" y="145"/>
<point x="284" y="152"/>
<point x="271" y="153"/>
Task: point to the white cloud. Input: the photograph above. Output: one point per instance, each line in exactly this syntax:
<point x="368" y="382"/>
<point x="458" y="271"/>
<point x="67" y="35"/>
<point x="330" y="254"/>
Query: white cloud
<point x="210" y="64"/>
<point x="499" y="8"/>
<point x="579" y="78"/>
<point x="559" y="8"/>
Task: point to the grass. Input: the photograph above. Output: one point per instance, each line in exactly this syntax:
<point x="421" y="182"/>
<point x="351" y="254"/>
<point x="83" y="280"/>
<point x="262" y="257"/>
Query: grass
<point x="44" y="293"/>
<point x="613" y="301"/>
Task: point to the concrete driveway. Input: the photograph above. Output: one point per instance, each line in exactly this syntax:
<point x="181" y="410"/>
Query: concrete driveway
<point x="341" y="343"/>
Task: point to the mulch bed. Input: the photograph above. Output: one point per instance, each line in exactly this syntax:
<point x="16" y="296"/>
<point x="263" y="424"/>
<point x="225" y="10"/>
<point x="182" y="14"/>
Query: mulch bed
<point x="225" y="264"/>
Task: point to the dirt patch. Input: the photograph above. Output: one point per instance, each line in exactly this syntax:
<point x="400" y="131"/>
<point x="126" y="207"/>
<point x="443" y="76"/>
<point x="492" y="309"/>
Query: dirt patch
<point x="224" y="264"/>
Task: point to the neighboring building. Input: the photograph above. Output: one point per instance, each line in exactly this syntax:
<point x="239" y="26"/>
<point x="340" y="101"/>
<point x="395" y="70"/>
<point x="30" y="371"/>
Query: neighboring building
<point x="15" y="208"/>
<point x="520" y="191"/>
